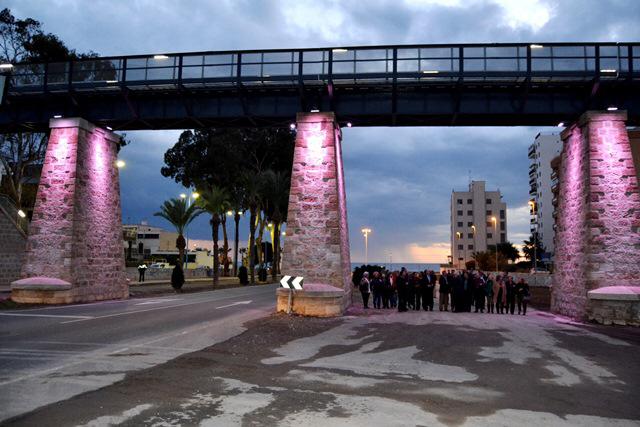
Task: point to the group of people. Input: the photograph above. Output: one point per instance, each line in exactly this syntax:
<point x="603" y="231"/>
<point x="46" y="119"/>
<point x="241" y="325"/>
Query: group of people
<point x="460" y="290"/>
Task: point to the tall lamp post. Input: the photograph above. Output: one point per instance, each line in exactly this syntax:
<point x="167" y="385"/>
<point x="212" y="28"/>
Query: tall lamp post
<point x="532" y="205"/>
<point x="365" y="232"/>
<point x="495" y="233"/>
<point x="473" y="227"/>
<point x="459" y="236"/>
<point x="191" y="197"/>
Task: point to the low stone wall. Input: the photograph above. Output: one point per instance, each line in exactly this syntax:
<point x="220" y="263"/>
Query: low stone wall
<point x="165" y="274"/>
<point x="315" y="300"/>
<point x="12" y="250"/>
<point x="614" y="305"/>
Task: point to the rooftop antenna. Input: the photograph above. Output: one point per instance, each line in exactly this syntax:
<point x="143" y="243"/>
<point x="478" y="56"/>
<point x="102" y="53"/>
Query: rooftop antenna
<point x="469" y="178"/>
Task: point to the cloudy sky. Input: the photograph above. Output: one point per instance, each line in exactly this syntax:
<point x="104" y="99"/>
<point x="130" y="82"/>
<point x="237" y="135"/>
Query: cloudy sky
<point x="399" y="180"/>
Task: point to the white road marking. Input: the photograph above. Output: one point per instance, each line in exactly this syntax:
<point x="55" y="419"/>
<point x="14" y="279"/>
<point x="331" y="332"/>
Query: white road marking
<point x="235" y="303"/>
<point x="157" y="301"/>
<point x="46" y="315"/>
<point x="125" y="313"/>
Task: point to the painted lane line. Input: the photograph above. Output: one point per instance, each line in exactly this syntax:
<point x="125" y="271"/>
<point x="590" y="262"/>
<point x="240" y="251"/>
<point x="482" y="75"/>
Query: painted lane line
<point x="157" y="301"/>
<point x="125" y="313"/>
<point x="234" y="304"/>
<point x="47" y="315"/>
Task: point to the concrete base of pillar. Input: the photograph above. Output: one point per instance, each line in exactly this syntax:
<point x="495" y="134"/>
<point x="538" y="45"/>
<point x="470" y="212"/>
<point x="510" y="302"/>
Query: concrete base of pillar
<point x="41" y="290"/>
<point x="315" y="300"/>
<point x="614" y="305"/>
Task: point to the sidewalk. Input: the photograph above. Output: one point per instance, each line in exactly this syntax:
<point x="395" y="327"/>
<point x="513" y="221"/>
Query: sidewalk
<point x="381" y="368"/>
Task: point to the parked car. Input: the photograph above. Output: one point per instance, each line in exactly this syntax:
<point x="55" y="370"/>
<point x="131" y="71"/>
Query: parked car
<point x="160" y="265"/>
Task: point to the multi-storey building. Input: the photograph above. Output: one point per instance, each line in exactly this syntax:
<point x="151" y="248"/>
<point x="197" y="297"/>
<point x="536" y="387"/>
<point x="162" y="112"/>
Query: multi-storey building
<point x="545" y="148"/>
<point x="478" y="220"/>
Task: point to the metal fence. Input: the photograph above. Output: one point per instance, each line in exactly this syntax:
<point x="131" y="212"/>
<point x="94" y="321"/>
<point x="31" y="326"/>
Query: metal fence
<point x="13" y="213"/>
<point x="350" y="65"/>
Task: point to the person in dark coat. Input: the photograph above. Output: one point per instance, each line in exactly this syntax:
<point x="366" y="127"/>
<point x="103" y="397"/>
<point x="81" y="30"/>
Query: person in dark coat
<point x="488" y="291"/>
<point x="445" y="290"/>
<point x="243" y="275"/>
<point x="459" y="296"/>
<point x="402" y="285"/>
<point x="392" y="286"/>
<point x="377" y="288"/>
<point x="365" y="289"/>
<point x="416" y="285"/>
<point x="511" y="295"/>
<point x="479" y="292"/>
<point x="177" y="278"/>
<point x="427" y="288"/>
<point x="386" y="285"/>
<point x="522" y="295"/>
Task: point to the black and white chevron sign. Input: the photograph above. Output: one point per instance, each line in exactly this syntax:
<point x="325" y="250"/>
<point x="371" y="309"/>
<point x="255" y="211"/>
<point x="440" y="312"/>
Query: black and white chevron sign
<point x="290" y="282"/>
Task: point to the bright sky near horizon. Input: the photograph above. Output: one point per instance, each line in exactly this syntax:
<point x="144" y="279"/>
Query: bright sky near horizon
<point x="399" y="180"/>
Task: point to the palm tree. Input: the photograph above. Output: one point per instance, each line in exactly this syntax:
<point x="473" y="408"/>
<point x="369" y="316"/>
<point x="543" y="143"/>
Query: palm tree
<point x="180" y="216"/>
<point x="238" y="207"/>
<point x="215" y="200"/>
<point x="252" y="184"/>
<point x="276" y="194"/>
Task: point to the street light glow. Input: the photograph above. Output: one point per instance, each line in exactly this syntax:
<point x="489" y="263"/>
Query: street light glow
<point x="6" y="66"/>
<point x="21" y="213"/>
<point x="340" y="50"/>
<point x="561" y="124"/>
<point x="349" y="124"/>
<point x="120" y="163"/>
<point x="195" y="195"/>
<point x="160" y="57"/>
<point x="57" y="116"/>
<point x="183" y="196"/>
<point x="536" y="46"/>
<point x="292" y="126"/>
<point x="612" y="108"/>
<point x="229" y="213"/>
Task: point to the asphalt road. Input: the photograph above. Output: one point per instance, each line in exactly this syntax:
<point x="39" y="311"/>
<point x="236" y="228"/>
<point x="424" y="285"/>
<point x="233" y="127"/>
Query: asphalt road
<point x="51" y="354"/>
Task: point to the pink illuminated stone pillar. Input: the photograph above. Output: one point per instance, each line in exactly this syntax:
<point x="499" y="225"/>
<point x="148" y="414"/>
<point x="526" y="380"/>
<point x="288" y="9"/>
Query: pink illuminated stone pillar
<point x="317" y="242"/>
<point x="597" y="242"/>
<point x="74" y="249"/>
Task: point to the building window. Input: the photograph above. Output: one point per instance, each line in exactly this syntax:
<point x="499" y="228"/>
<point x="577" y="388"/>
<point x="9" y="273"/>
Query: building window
<point x="502" y="226"/>
<point x="503" y="238"/>
<point x="489" y="213"/>
<point x="460" y="247"/>
<point x="488" y="201"/>
<point x="489" y="224"/>
<point x="459" y="213"/>
<point x="470" y="213"/>
<point x="489" y="235"/>
<point x="501" y="213"/>
<point x="459" y="201"/>
<point x="461" y="259"/>
<point x="469" y="224"/>
<point x="460" y="224"/>
<point x="470" y="235"/>
<point x="470" y="247"/>
<point x="469" y="201"/>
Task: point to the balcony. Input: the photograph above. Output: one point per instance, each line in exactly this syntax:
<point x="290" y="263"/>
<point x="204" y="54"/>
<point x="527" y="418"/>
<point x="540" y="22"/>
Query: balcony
<point x="532" y="151"/>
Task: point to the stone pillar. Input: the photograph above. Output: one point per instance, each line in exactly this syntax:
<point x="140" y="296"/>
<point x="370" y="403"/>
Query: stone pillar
<point x="598" y="214"/>
<point x="74" y="249"/>
<point x="317" y="242"/>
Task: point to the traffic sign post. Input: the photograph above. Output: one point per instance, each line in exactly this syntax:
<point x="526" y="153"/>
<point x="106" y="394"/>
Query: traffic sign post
<point x="291" y="283"/>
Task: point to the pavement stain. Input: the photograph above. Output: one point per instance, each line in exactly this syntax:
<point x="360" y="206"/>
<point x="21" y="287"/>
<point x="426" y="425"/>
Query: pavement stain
<point x="232" y="382"/>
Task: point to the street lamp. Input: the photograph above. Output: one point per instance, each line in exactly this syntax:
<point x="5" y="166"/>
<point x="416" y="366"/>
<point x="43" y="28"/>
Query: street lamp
<point x="365" y="232"/>
<point x="193" y="196"/>
<point x="495" y="233"/>
<point x="459" y="235"/>
<point x="532" y="206"/>
<point x="473" y="227"/>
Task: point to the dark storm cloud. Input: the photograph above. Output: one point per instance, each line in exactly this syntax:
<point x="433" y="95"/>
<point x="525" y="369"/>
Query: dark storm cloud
<point x="399" y="180"/>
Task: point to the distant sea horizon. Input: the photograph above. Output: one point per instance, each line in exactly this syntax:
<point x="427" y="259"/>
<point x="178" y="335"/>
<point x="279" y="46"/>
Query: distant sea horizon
<point x="411" y="266"/>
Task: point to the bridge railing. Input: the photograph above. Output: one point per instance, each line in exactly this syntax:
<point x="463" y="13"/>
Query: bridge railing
<point x="350" y="65"/>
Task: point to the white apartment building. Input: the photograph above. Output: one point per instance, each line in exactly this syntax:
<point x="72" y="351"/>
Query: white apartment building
<point x="545" y="148"/>
<point x="478" y="220"/>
